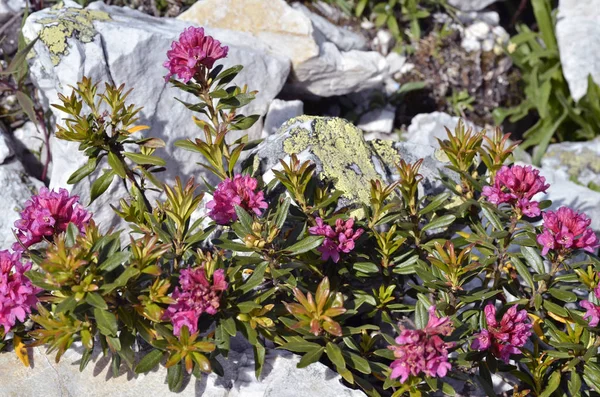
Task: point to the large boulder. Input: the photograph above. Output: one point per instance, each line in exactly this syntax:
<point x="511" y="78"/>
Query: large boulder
<point x="341" y="154"/>
<point x="471" y="5"/>
<point x="280" y="378"/>
<point x="426" y="128"/>
<point x="578" y="36"/>
<point x="326" y="61"/>
<point x="120" y="45"/>
<point x="575" y="161"/>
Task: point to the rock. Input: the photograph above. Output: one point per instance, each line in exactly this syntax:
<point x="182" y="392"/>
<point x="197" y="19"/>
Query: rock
<point x="28" y="138"/>
<point x="343" y="38"/>
<point x="426" y="127"/>
<point x="90" y="42"/>
<point x="279" y="112"/>
<point x="578" y="36"/>
<point x="484" y="35"/>
<point x="378" y="120"/>
<point x="10" y="8"/>
<point x="396" y="64"/>
<point x="336" y="73"/>
<point x="6" y="151"/>
<point x="280" y="378"/>
<point x="319" y="67"/>
<point x="383" y="41"/>
<point x="341" y="153"/>
<point x="17" y="188"/>
<point x="576" y="161"/>
<point x="471" y="5"/>
<point x="286" y="30"/>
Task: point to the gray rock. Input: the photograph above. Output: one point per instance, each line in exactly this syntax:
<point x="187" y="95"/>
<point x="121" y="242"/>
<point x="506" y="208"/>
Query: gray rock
<point x="120" y="45"/>
<point x="6" y="151"/>
<point x="342" y="37"/>
<point x="378" y="120"/>
<point x="471" y="5"/>
<point x="576" y="161"/>
<point x="341" y="153"/>
<point x="17" y="188"/>
<point x="578" y="36"/>
<point x="279" y="112"/>
<point x="10" y="8"/>
<point x="426" y="127"/>
<point x="280" y="378"/>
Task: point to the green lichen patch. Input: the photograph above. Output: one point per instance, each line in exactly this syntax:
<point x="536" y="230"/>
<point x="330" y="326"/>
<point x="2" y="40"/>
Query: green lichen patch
<point x="576" y="163"/>
<point x="387" y="152"/>
<point x="65" y="23"/>
<point x="341" y="151"/>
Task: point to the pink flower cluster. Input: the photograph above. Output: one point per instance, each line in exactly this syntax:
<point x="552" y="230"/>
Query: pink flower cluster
<point x="422" y="350"/>
<point x="592" y="310"/>
<point x="17" y="294"/>
<point x="516" y="186"/>
<point x="566" y="229"/>
<point x="504" y="338"/>
<point x="196" y="295"/>
<point x="340" y="239"/>
<point x="193" y="51"/>
<point x="240" y="191"/>
<point x="47" y="214"/>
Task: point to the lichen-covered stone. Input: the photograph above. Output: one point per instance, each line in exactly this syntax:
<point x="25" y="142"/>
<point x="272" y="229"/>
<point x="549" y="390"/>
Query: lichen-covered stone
<point x="576" y="161"/>
<point x="342" y="155"/>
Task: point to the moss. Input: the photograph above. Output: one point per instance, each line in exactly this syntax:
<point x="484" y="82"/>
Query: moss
<point x="65" y="23"/>
<point x="341" y="150"/>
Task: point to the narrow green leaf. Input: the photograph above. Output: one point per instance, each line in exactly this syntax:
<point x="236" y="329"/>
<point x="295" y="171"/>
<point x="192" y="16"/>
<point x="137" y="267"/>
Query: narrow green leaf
<point x="100" y="185"/>
<point x="440" y="223"/>
<point x="310" y="357"/>
<point x="114" y="261"/>
<point x="144" y="159"/>
<point x="307" y="244"/>
<point x="83" y="171"/>
<point x="149" y="362"/>
<point x="116" y="165"/>
<point x="175" y="377"/>
<point x="107" y="322"/>
<point x="95" y="300"/>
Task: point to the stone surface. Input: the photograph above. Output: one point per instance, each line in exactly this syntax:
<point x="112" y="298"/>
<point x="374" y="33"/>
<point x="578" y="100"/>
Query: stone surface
<point x="471" y="5"/>
<point x="576" y="161"/>
<point x="426" y="127"/>
<point x="319" y="66"/>
<point x="6" y="151"/>
<point x="578" y="36"/>
<point x="286" y="30"/>
<point x="17" y="188"/>
<point x="10" y="8"/>
<point x="279" y="112"/>
<point x="343" y="38"/>
<point x="378" y="120"/>
<point x="341" y="153"/>
<point x="97" y="49"/>
<point x="280" y="378"/>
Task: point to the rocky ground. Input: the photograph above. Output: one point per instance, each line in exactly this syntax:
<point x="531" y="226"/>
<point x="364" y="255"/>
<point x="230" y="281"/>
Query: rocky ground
<point x="304" y="58"/>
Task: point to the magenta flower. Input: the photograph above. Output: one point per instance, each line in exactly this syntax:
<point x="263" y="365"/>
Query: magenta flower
<point x="193" y="52"/>
<point x="340" y="239"/>
<point x="504" y="338"/>
<point x="592" y="310"/>
<point x="566" y="230"/>
<point x="516" y="186"/>
<point x="17" y="293"/>
<point x="240" y="191"/>
<point x="422" y="350"/>
<point x="195" y="295"/>
<point x="48" y="214"/>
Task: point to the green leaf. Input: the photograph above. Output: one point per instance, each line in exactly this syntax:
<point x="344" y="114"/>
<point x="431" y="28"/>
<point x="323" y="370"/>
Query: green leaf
<point x="67" y="305"/>
<point x="149" y="362"/>
<point x="232" y="246"/>
<point x="523" y="272"/>
<point x="563" y="295"/>
<point x="282" y="213"/>
<point x="359" y="363"/>
<point x="27" y="105"/>
<point x="72" y="233"/>
<point x="435" y="203"/>
<point x="421" y="315"/>
<point x="19" y="59"/>
<point x="145" y="159"/>
<point x="244" y="218"/>
<point x="107" y="322"/>
<point x="491" y="217"/>
<point x="84" y="171"/>
<point x="114" y="261"/>
<point x="175" y="377"/>
<point x="300" y="347"/>
<point x="553" y="383"/>
<point x="256" y="278"/>
<point x="554" y="308"/>
<point x="259" y="359"/>
<point x="366" y="267"/>
<point x="228" y="325"/>
<point x="533" y="259"/>
<point x="116" y="164"/>
<point x="95" y="300"/>
<point x="307" y="244"/>
<point x="100" y="185"/>
<point x="440" y="223"/>
<point x="245" y="122"/>
<point x="310" y="357"/>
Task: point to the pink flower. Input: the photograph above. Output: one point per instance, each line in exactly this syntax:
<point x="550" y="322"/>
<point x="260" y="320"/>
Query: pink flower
<point x="566" y="230"/>
<point x="192" y="52"/>
<point x="422" y="350"/>
<point x="592" y="310"/>
<point x="48" y="214"/>
<point x="505" y="338"/>
<point x="17" y="293"/>
<point x="516" y="186"/>
<point x="196" y="295"/>
<point x="340" y="239"/>
<point x="240" y="191"/>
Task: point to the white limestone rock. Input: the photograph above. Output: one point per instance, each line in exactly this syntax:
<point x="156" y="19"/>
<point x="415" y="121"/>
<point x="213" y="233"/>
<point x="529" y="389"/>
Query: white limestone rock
<point x="426" y="127"/>
<point x="120" y="45"/>
<point x="6" y="151"/>
<point x="378" y="120"/>
<point x="279" y="112"/>
<point x="578" y="36"/>
<point x="471" y="5"/>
